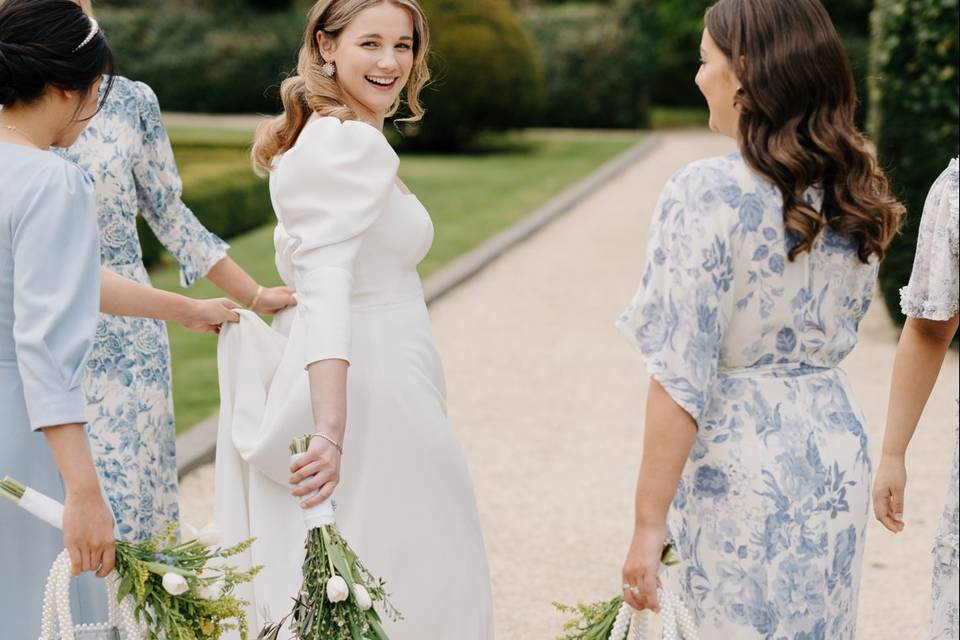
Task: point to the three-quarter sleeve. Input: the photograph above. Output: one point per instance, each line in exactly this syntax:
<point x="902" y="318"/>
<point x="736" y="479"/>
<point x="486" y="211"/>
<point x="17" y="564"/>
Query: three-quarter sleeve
<point x="933" y="289"/>
<point x="56" y="301"/>
<point x="328" y="190"/>
<point x="159" y="191"/>
<point x="679" y="315"/>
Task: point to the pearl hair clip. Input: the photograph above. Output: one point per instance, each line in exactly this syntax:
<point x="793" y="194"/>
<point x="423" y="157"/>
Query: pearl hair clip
<point x="94" y="28"/>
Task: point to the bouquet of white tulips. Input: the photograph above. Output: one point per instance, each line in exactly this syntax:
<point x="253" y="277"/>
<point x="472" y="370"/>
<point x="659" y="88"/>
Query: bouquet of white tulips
<point x="616" y="620"/>
<point x="180" y="590"/>
<point x="338" y="593"/>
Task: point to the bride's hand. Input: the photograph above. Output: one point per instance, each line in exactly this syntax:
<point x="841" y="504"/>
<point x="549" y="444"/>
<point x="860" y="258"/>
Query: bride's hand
<point x="319" y="472"/>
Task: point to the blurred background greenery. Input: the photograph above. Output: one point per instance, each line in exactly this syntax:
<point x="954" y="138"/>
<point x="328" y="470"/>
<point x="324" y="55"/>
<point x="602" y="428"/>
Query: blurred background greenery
<point x="509" y="75"/>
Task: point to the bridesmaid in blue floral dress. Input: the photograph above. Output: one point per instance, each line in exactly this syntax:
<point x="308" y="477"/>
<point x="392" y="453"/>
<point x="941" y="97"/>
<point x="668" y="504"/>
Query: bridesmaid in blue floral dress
<point x="931" y="302"/>
<point x="760" y="266"/>
<point x="128" y="383"/>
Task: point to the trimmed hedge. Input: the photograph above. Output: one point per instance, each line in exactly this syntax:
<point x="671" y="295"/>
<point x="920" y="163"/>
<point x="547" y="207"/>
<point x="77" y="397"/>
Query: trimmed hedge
<point x="598" y="63"/>
<point x="206" y="62"/>
<point x="914" y="113"/>
<point x="487" y="73"/>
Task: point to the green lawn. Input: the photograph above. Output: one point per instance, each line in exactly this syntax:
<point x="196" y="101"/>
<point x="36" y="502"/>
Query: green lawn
<point x="469" y="196"/>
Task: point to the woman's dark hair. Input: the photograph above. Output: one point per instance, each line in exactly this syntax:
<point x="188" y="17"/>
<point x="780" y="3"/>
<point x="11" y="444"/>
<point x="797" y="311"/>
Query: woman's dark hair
<point x="796" y="120"/>
<point x="40" y="46"/>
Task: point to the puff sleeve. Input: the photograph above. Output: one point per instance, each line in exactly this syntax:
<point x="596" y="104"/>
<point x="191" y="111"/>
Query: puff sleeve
<point x="933" y="289"/>
<point x="680" y="313"/>
<point x="328" y="189"/>
<point x="56" y="257"/>
<point x="159" y="191"/>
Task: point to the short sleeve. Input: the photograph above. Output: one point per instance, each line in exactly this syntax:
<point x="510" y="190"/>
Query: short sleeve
<point x="680" y="312"/>
<point x="159" y="191"/>
<point x="56" y="258"/>
<point x="328" y="189"/>
<point x="932" y="292"/>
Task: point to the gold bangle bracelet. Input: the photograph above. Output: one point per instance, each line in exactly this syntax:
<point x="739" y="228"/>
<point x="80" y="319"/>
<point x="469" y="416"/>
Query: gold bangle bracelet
<point x="336" y="444"/>
<point x="256" y="298"/>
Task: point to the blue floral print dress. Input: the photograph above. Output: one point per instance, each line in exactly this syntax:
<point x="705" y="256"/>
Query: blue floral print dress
<point x="129" y="402"/>
<point x="933" y="294"/>
<point x="771" y="511"/>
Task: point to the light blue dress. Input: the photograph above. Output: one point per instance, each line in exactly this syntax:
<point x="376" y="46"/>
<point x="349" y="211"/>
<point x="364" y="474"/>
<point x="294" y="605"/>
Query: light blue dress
<point x="49" y="297"/>
<point x="771" y="511"/>
<point x="934" y="293"/>
<point x="128" y="383"/>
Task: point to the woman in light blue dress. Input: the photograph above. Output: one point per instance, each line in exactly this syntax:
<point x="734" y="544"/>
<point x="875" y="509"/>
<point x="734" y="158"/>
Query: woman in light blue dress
<point x="760" y="266"/>
<point x="128" y="383"/>
<point x="931" y="302"/>
<point x="49" y="296"/>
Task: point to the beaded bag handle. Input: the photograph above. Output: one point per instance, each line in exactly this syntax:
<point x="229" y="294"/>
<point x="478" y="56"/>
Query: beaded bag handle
<point x="57" y="622"/>
<point x="678" y="624"/>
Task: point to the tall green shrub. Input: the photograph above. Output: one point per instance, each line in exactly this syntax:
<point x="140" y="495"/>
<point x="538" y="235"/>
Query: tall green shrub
<point x="597" y="62"/>
<point x="914" y="112"/>
<point x="224" y="62"/>
<point x="487" y="71"/>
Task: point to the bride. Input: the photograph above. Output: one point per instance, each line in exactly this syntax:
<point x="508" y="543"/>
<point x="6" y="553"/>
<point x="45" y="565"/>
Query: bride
<point x="355" y="362"/>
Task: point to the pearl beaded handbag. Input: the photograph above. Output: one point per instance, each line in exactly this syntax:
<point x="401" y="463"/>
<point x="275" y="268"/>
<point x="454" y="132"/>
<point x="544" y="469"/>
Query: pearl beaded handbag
<point x="57" y="622"/>
<point x="678" y="623"/>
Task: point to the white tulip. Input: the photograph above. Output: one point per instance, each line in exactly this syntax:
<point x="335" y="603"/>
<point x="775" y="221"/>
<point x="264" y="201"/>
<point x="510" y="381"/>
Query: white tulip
<point x="209" y="536"/>
<point x="362" y="596"/>
<point x="175" y="584"/>
<point x="337" y="589"/>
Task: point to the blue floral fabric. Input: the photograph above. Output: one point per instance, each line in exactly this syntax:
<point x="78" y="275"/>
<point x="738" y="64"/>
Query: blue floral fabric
<point x="129" y="402"/>
<point x="770" y="514"/>
<point x="934" y="293"/>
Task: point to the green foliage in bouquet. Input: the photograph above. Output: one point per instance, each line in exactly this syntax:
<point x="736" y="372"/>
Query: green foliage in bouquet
<point x="205" y="609"/>
<point x="338" y="593"/>
<point x="595" y="621"/>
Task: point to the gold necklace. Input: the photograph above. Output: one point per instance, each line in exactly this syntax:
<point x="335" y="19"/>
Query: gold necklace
<point x="23" y="134"/>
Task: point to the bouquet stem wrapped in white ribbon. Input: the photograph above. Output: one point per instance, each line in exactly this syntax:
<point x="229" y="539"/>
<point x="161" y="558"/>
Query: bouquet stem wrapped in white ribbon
<point x="179" y="589"/>
<point x="338" y="593"/>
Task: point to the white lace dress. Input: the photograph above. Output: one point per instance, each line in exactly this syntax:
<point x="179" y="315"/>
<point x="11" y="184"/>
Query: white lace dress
<point x="349" y="241"/>
<point x="933" y="294"/>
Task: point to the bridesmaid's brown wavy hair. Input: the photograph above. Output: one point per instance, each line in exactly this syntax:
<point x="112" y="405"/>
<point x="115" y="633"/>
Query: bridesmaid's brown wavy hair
<point x="310" y="91"/>
<point x="796" y="120"/>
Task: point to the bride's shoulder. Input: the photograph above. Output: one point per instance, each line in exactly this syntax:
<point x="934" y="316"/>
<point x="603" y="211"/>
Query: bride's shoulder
<point x="332" y="142"/>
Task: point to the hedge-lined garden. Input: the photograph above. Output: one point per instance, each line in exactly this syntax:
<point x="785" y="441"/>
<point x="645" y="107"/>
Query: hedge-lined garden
<point x="914" y="113"/>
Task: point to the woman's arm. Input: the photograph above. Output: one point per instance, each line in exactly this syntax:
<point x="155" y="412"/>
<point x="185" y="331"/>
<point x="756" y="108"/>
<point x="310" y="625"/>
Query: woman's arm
<point x="669" y="435"/>
<point x="230" y="278"/>
<point x="328" y="399"/>
<point x="120" y="296"/>
<point x="920" y="352"/>
<point x="87" y="521"/>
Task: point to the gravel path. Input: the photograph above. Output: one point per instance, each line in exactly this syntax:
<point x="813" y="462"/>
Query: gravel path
<point x="547" y="399"/>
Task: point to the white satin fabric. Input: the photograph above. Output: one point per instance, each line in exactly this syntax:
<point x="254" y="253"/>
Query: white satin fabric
<point x="349" y="241"/>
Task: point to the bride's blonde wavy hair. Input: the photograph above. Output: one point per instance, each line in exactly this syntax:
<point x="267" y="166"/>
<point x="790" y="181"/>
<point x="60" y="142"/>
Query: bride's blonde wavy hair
<point x="310" y="91"/>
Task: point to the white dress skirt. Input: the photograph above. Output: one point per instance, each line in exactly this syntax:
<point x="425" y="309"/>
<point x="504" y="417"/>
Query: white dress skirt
<point x="349" y="241"/>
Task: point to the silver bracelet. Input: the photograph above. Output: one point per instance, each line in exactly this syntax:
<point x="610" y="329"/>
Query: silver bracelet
<point x="330" y="440"/>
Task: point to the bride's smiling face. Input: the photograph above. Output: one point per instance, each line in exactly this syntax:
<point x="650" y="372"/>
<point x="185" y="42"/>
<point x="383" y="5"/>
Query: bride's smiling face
<point x="373" y="57"/>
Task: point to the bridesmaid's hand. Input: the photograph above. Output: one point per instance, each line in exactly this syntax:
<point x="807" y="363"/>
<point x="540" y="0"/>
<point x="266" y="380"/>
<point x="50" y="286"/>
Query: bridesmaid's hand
<point x="641" y="567"/>
<point x="207" y="315"/>
<point x="888" y="492"/>
<point x="273" y="300"/>
<point x="319" y="472"/>
<point x="88" y="532"/>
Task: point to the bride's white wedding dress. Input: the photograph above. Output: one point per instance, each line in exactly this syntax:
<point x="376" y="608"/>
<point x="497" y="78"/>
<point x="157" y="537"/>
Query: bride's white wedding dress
<point x="348" y="240"/>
